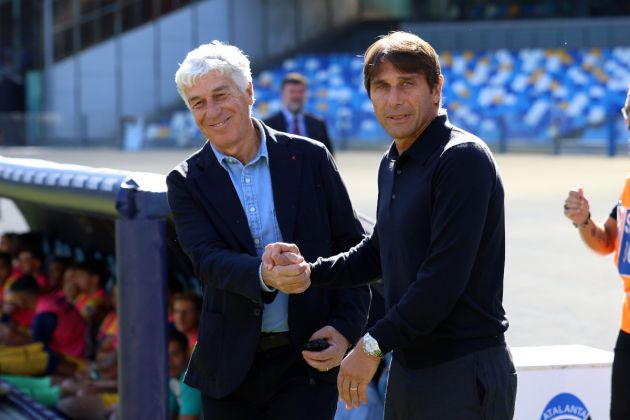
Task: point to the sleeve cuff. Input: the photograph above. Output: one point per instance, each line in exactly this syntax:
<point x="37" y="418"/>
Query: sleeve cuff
<point x="384" y="335"/>
<point x="263" y="286"/>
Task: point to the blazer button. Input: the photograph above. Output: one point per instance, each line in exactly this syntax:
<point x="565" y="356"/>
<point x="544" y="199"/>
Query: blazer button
<point x="256" y="311"/>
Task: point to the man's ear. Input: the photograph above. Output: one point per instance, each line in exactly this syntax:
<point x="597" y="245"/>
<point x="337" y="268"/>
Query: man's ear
<point x="437" y="90"/>
<point x="250" y="93"/>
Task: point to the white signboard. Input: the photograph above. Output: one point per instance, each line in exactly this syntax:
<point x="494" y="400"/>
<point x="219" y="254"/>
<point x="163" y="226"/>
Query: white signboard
<point x="569" y="382"/>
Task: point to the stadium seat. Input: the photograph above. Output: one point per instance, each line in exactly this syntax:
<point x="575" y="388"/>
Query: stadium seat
<point x="531" y="95"/>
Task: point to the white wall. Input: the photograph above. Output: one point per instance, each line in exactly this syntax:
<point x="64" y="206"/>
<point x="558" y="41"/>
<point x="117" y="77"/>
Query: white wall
<point x="247" y="27"/>
<point x="211" y="21"/>
<point x="61" y="94"/>
<point x="98" y="90"/>
<point x="282" y="28"/>
<point x="138" y="74"/>
<point x="314" y="18"/>
<point x="175" y="42"/>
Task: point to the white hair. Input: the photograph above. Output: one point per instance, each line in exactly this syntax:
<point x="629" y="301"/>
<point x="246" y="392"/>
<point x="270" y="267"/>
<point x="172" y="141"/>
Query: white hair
<point x="215" y="56"/>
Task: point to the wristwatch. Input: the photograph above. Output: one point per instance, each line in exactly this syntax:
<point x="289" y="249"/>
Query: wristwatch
<point x="370" y="346"/>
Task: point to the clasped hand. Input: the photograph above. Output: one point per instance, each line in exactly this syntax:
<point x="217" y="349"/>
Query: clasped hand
<point x="284" y="268"/>
<point x="576" y="207"/>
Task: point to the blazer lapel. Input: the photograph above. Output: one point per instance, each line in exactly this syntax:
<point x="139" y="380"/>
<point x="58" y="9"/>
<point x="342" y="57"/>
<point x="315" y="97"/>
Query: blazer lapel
<point x="215" y="188"/>
<point x="285" y="166"/>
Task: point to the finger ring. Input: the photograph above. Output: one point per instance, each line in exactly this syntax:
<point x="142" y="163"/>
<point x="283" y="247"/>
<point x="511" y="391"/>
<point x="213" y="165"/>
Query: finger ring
<point x="353" y="389"/>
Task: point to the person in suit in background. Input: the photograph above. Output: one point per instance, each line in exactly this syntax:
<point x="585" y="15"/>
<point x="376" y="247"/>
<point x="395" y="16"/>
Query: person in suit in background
<point x="250" y="185"/>
<point x="293" y="118"/>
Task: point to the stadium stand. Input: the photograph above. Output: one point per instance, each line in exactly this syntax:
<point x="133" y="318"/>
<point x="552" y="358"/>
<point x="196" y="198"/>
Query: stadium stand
<point x="533" y="95"/>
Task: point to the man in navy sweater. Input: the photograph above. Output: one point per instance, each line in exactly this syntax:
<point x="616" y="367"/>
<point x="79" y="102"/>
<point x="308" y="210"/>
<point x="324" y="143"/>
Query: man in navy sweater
<point x="439" y="244"/>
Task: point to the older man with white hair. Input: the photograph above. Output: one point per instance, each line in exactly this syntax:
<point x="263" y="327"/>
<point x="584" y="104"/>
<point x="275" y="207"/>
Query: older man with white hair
<point x="249" y="186"/>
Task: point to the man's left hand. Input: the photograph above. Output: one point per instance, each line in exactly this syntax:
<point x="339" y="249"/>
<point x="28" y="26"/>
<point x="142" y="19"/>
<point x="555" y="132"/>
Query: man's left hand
<point x="294" y="278"/>
<point x="331" y="357"/>
<point x="357" y="370"/>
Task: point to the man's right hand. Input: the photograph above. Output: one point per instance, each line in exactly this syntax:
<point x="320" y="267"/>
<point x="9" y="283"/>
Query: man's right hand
<point x="576" y="207"/>
<point x="290" y="279"/>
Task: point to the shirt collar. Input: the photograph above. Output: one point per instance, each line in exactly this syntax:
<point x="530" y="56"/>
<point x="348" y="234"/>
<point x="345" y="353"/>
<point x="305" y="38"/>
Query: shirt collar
<point x="424" y="146"/>
<point x="262" y="152"/>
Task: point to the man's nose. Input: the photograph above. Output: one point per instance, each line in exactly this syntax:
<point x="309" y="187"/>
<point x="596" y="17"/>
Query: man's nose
<point x="212" y="109"/>
<point x="394" y="97"/>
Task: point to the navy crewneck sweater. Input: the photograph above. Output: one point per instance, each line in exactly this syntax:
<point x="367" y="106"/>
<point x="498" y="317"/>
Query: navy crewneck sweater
<point x="439" y="245"/>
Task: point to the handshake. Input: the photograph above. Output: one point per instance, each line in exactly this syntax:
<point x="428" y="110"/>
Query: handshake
<point x="283" y="268"/>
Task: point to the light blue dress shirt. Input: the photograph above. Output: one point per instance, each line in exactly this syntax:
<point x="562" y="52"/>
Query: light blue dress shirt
<point x="252" y="183"/>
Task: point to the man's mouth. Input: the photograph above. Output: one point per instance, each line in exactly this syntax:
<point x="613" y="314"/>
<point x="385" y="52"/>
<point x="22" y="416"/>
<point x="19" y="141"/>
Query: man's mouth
<point x="397" y="117"/>
<point x="220" y="124"/>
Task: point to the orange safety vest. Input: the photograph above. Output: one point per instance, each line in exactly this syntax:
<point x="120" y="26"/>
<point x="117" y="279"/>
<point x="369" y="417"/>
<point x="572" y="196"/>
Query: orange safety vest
<point x="622" y="251"/>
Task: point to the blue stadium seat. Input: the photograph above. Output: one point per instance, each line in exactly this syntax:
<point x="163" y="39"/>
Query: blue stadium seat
<point x="529" y="95"/>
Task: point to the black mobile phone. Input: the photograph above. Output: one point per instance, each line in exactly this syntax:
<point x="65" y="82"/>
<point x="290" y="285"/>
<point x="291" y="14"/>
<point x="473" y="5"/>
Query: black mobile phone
<point x="318" y="344"/>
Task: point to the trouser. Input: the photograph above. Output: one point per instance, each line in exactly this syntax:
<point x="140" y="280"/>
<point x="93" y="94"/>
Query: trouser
<point x="481" y="385"/>
<point x="620" y="384"/>
<point x="277" y="387"/>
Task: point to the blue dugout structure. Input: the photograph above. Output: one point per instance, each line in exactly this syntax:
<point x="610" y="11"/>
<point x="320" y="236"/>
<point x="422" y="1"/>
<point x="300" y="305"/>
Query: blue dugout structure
<point x="108" y="212"/>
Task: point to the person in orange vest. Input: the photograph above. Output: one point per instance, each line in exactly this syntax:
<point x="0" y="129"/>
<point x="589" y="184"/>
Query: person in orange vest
<point x="92" y="300"/>
<point x="68" y="286"/>
<point x="56" y="271"/>
<point x="612" y="236"/>
<point x="29" y="261"/>
<point x="93" y="391"/>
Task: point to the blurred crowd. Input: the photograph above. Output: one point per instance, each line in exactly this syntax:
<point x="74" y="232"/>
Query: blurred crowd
<point x="59" y="333"/>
